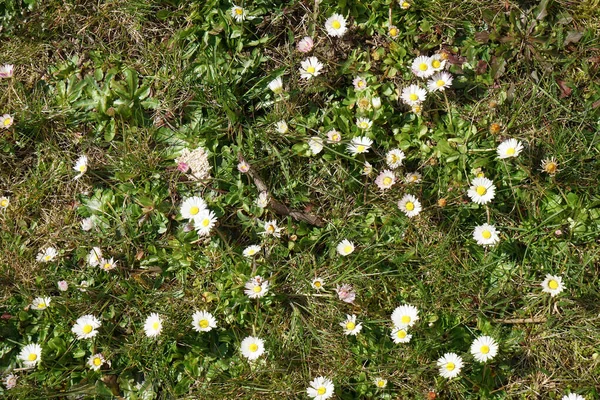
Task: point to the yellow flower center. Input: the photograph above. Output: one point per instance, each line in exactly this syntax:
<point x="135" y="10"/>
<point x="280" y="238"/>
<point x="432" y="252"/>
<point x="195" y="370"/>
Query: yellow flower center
<point x="413" y="178"/>
<point x="47" y="257"/>
<point x="413" y="97"/>
<point x="440" y="83"/>
<point x="97" y="361"/>
<point x="239" y="11"/>
<point x="423" y="67"/>
<point x="484" y="349"/>
<point x="335" y="137"/>
<point x="321" y="391"/>
<point x="42" y="305"/>
<point x="360" y="148"/>
<point x="348" y="249"/>
<point x="550" y="167"/>
<point x="436" y="64"/>
<point x="336" y="24"/>
<point x="87" y="328"/>
<point x="4" y="203"/>
<point x="310" y="69"/>
<point x="553" y="284"/>
<point x="257" y="289"/>
<point x="32" y="357"/>
<point x="486" y="234"/>
<point x="270" y="229"/>
<point x="363" y="124"/>
<point x="481" y="175"/>
<point x="253" y="347"/>
<point x="481" y="190"/>
<point x="155" y="325"/>
<point x="251" y="252"/>
<point x="83" y="168"/>
<point x="387" y="181"/>
<point x="401" y="334"/>
<point x="205" y="222"/>
<point x="7" y="122"/>
<point x="350" y="325"/>
<point x="510" y="152"/>
<point x="380" y="383"/>
<point x="194" y="210"/>
<point x="450" y="366"/>
<point x="318" y="284"/>
<point x="405" y="5"/>
<point x="405" y="319"/>
<point x="361" y="84"/>
<point x="107" y="266"/>
<point x="409" y="206"/>
<point x="393" y="32"/>
<point x="203" y="323"/>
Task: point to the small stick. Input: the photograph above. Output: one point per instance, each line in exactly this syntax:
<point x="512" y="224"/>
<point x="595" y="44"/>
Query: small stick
<point x="533" y="320"/>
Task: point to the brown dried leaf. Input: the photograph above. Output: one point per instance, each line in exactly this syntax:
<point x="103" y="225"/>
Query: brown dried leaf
<point x="565" y="91"/>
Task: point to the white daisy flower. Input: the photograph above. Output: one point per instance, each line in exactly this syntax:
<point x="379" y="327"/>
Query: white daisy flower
<point x="41" y="303"/>
<point x="486" y="235"/>
<point x="305" y="45"/>
<point x="263" y="200"/>
<point x="243" y="167"/>
<point x="108" y="265"/>
<point x="346" y="293"/>
<point x="412" y="177"/>
<point x="393" y="31"/>
<point x="400" y="335"/>
<point x="345" y="247"/>
<point x="334" y="136"/>
<point x="10" y="381"/>
<point x="359" y="83"/>
<point x="405" y="5"/>
<point x="336" y="25"/>
<point x="482" y="190"/>
<point x="552" y="285"/>
<point x="440" y="82"/>
<point x="87" y="224"/>
<point x="421" y="67"/>
<point x="204" y="222"/>
<point x="320" y="388"/>
<point x="416" y="109"/>
<point x="83" y="285"/>
<point x="367" y="169"/>
<point x="6" y="71"/>
<point x="380" y="383"/>
<point x="351" y="327"/>
<point x="405" y="316"/>
<point x="252" y="347"/>
<point x="4" y="202"/>
<point x="276" y="85"/>
<point x="394" y="158"/>
<point x="437" y="62"/>
<point x="191" y="207"/>
<point x="95" y="361"/>
<point x="509" y="148"/>
<point x="413" y="95"/>
<point x="85" y="327"/>
<point x="573" y="396"/>
<point x="270" y="228"/>
<point x="364" y="123"/>
<point x="281" y="127"/>
<point x="47" y="254"/>
<point x="450" y="365"/>
<point x="256" y="287"/>
<point x="63" y="286"/>
<point x="317" y="283"/>
<point x="203" y="321"/>
<point x="238" y="13"/>
<point x="549" y="166"/>
<point x="385" y="179"/>
<point x="310" y="67"/>
<point x="81" y="166"/>
<point x="316" y="144"/>
<point x="31" y="355"/>
<point x="94" y="257"/>
<point x="484" y="348"/>
<point x="153" y="325"/>
<point x="6" y="121"/>
<point x="409" y="205"/>
<point x="251" y="250"/>
<point x="359" y="145"/>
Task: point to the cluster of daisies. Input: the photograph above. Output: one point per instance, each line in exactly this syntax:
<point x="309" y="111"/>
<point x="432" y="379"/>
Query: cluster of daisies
<point x="6" y="120"/>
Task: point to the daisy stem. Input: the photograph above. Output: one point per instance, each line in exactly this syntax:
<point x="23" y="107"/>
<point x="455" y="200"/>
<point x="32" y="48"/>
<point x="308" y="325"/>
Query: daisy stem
<point x="487" y="212"/>
<point x="448" y="111"/>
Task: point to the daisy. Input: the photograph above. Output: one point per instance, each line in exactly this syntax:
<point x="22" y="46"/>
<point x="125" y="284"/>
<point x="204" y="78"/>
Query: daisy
<point x="31" y="355"/>
<point x="87" y="224"/>
<point x="94" y="257"/>
<point x="450" y="365"/>
<point x="81" y="166"/>
<point x="6" y="71"/>
<point x="413" y="95"/>
<point x="10" y="381"/>
<point x="345" y="247"/>
<point x="380" y="383"/>
<point x="509" y="148"/>
<point x="281" y="127"/>
<point x="263" y="200"/>
<point x="108" y="265"/>
<point x="573" y="396"/>
<point x="364" y="123"/>
<point x="4" y="202"/>
<point x="317" y="283"/>
<point x="421" y="67"/>
<point x="6" y="121"/>
<point x="367" y="169"/>
<point x="85" y="327"/>
<point x="256" y="287"/>
<point x="336" y="25"/>
<point x="416" y="109"/>
<point x="41" y="303"/>
<point x="412" y="177"/>
<point x="549" y="166"/>
<point x="350" y="326"/>
<point x="95" y="361"/>
<point x="252" y="347"/>
<point x="376" y="102"/>
<point x="440" y="82"/>
<point x="385" y="179"/>
<point x="393" y="31"/>
<point x="63" y="286"/>
<point x="320" y="388"/>
<point x="203" y="321"/>
<point x="276" y="85"/>
<point x="482" y="190"/>
<point x="484" y="348"/>
<point x="409" y="205"/>
<point x="399" y="335"/>
<point x="243" y="167"/>
<point x="271" y="229"/>
<point x="553" y="285"/>
<point x="238" y="13"/>
<point x="437" y="62"/>
<point x="334" y="136"/>
<point x="359" y="83"/>
<point x="191" y="207"/>
<point x="251" y="250"/>
<point x="47" y="254"/>
<point x="204" y="222"/>
<point x="405" y="316"/>
<point x="310" y="67"/>
<point x="346" y="293"/>
<point x="394" y="158"/>
<point x="83" y="285"/>
<point x="405" y="5"/>
<point x="305" y="45"/>
<point x="316" y="144"/>
<point x="486" y="235"/>
<point x="153" y="325"/>
<point x="364" y="103"/>
<point x="359" y="145"/>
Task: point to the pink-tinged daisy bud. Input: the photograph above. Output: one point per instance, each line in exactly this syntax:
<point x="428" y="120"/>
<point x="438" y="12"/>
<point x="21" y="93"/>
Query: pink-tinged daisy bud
<point x="243" y="167"/>
<point x="6" y="71"/>
<point x="183" y="167"/>
<point x="305" y="45"/>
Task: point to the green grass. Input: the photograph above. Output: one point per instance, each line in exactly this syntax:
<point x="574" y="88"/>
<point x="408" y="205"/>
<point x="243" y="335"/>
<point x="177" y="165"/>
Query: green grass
<point x="131" y="83"/>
